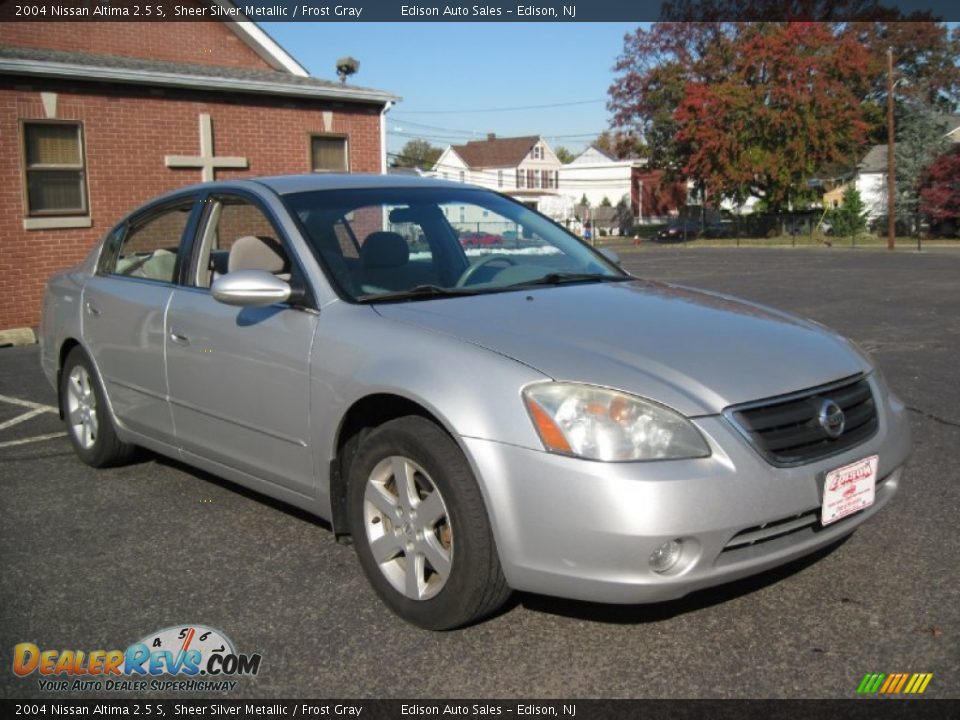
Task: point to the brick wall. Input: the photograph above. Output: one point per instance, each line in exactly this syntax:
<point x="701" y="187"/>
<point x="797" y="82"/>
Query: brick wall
<point x="206" y="43"/>
<point x="127" y="133"/>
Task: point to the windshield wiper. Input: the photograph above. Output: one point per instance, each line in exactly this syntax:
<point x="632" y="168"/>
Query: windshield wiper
<point x="559" y="278"/>
<point x="418" y="291"/>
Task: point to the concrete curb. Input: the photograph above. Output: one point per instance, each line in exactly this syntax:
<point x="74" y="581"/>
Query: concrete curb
<point x="17" y="336"/>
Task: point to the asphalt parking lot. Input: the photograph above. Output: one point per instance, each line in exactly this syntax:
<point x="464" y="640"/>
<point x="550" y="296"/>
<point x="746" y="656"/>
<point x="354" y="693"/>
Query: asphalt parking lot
<point x="98" y="559"/>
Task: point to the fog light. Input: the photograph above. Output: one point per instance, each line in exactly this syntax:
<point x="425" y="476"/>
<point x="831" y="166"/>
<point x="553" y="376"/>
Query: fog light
<point x="666" y="556"/>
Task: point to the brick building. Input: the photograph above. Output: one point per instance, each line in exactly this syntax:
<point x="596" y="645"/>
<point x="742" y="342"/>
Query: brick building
<point x="96" y="118"/>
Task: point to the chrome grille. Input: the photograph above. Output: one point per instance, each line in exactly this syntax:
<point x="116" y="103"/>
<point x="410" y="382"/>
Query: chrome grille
<point x="787" y="431"/>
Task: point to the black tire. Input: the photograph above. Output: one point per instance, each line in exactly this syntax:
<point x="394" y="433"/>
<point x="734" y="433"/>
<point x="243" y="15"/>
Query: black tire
<point x="475" y="586"/>
<point x="103" y="448"/>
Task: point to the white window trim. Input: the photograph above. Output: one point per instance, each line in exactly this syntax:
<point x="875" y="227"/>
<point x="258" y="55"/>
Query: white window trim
<point x="55" y="222"/>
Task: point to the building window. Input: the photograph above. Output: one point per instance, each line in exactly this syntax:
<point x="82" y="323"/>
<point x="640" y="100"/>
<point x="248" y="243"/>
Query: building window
<point x="54" y="168"/>
<point x="537" y="152"/>
<point x="520" y="179"/>
<point x="499" y="178"/>
<point x="536" y="179"/>
<point x="328" y="154"/>
<point x="463" y="176"/>
<point x="530" y="176"/>
<point x="556" y="179"/>
<point x="545" y="178"/>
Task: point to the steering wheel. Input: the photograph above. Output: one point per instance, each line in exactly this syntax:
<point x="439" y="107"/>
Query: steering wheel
<point x="468" y="274"/>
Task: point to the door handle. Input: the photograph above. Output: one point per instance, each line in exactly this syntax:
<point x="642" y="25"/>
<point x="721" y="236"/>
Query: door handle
<point x="92" y="309"/>
<point x="179" y="339"/>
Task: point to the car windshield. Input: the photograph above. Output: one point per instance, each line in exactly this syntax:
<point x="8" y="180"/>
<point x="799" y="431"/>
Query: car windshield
<point x="391" y="244"/>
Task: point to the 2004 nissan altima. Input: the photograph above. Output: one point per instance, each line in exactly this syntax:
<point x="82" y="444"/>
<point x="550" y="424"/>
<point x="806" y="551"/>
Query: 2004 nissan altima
<point x="524" y="416"/>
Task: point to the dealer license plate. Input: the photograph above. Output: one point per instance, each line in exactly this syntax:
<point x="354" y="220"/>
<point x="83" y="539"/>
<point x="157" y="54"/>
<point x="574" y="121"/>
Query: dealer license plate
<point x="849" y="489"/>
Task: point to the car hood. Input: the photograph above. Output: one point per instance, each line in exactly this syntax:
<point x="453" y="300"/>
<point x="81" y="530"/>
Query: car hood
<point x="695" y="351"/>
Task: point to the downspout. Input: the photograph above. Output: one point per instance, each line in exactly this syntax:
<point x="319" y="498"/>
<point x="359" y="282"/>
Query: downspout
<point x="383" y="136"/>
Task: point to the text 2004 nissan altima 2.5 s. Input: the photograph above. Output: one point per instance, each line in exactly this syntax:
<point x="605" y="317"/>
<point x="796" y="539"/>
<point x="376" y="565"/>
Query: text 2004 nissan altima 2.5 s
<point x="479" y="420"/>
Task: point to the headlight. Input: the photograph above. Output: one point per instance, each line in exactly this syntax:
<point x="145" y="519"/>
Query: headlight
<point x="599" y="424"/>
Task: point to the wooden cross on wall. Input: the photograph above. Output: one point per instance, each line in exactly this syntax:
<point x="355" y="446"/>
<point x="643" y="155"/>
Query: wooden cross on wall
<point x="206" y="160"/>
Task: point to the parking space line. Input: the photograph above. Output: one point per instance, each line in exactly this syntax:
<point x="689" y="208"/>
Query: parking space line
<point x="34" y="409"/>
<point x="27" y="404"/>
<point x="38" y="438"/>
<point x="20" y="418"/>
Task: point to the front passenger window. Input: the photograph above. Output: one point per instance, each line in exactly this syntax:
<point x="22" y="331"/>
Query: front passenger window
<point x="238" y="236"/>
<point x="150" y="246"/>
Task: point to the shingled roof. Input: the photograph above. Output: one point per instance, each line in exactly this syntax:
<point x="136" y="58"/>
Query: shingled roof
<point x="875" y="161"/>
<point x="496" y="152"/>
<point x="114" y="68"/>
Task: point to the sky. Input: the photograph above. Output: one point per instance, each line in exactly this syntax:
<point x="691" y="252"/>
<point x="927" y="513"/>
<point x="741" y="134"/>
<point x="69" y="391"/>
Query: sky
<point x="460" y="81"/>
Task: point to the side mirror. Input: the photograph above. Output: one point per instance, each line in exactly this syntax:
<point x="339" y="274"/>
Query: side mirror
<point x="610" y="255"/>
<point x="250" y="288"/>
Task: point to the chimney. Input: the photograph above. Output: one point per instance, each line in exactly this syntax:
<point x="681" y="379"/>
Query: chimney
<point x="491" y="136"/>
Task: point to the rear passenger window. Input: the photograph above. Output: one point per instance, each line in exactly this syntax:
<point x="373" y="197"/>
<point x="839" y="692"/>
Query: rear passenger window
<point x="149" y="247"/>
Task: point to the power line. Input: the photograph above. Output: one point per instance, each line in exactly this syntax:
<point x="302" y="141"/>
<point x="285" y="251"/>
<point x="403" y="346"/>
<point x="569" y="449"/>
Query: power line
<point x="452" y="138"/>
<point x="500" y="109"/>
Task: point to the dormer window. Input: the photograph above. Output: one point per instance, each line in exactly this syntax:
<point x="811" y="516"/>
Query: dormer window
<point x="537" y="152"/>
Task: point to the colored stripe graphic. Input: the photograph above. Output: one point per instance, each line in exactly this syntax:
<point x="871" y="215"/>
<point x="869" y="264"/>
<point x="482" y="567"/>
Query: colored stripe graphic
<point x="871" y="683"/>
<point x="894" y="683"/>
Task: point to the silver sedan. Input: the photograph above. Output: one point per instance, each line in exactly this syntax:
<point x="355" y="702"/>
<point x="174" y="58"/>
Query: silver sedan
<point x="480" y="419"/>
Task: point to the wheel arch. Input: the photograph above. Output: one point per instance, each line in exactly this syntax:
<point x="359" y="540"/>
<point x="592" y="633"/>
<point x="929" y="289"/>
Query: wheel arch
<point x="365" y="414"/>
<point x="66" y="347"/>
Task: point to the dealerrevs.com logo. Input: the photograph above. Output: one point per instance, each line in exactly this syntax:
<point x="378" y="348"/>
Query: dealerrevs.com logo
<point x="179" y="658"/>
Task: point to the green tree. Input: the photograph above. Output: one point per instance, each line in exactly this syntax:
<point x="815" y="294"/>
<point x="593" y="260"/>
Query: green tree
<point x="920" y="141"/>
<point x="605" y="202"/>
<point x="585" y="201"/>
<point x="620" y="145"/>
<point x="417" y="154"/>
<point x="850" y="219"/>
<point x="563" y="155"/>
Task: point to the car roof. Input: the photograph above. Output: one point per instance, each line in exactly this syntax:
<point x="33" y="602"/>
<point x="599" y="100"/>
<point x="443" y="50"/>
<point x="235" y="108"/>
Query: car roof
<point x="288" y="184"/>
<point x="285" y="184"/>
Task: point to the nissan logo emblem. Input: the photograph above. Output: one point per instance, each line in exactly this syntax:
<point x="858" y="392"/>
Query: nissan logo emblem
<point x="831" y="419"/>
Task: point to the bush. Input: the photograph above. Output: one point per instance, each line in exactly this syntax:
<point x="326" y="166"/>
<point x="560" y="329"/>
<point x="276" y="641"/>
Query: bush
<point x="850" y="219"/>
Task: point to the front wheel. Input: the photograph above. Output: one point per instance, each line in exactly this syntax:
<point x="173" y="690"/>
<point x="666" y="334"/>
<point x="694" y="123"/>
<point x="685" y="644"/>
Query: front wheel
<point x="420" y="527"/>
<point x="84" y="407"/>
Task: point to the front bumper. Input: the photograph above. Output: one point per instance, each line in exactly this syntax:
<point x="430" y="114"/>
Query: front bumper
<point x="585" y="530"/>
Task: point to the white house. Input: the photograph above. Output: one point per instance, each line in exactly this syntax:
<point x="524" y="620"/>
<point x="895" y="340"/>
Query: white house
<point x="596" y="175"/>
<point x="523" y="167"/>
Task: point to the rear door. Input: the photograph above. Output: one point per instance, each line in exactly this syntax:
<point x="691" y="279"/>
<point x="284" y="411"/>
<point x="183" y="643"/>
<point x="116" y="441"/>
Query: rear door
<point x="240" y="377"/>
<point x="123" y="313"/>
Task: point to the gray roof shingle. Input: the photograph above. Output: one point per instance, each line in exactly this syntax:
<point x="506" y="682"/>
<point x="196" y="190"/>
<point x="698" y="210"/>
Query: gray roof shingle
<point x="61" y="63"/>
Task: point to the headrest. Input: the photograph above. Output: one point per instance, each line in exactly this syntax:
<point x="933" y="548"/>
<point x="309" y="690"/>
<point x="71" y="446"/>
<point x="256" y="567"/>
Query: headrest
<point x="384" y="250"/>
<point x="257" y="253"/>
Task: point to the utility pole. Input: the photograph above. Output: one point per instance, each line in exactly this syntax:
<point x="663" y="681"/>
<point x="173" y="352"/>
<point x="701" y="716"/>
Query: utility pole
<point x="891" y="162"/>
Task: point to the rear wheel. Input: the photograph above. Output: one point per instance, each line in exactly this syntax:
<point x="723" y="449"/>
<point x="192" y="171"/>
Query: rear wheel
<point x="420" y="527"/>
<point x="84" y="408"/>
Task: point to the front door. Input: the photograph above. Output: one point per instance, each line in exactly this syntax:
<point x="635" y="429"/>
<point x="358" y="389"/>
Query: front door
<point x="240" y="377"/>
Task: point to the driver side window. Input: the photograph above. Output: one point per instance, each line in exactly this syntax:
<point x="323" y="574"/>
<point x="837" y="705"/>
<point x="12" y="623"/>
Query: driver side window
<point x="148" y="250"/>
<point x="238" y="236"/>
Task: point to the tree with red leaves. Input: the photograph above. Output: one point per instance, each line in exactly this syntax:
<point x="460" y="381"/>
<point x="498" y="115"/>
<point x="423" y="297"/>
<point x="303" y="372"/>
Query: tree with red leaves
<point x="940" y="188"/>
<point x="787" y="106"/>
<point x="682" y="84"/>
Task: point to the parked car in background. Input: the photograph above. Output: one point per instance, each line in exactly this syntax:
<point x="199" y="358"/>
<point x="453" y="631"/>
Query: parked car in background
<point x="680" y="230"/>
<point x="532" y="418"/>
<point x="480" y="239"/>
